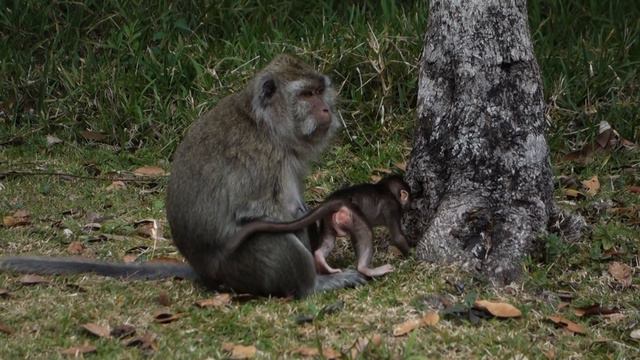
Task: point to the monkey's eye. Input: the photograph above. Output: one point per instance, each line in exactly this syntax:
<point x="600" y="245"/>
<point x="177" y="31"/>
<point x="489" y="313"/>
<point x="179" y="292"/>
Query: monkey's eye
<point x="306" y="93"/>
<point x="318" y="91"/>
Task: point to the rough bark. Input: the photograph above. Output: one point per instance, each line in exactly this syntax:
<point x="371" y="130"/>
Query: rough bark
<point x="479" y="167"/>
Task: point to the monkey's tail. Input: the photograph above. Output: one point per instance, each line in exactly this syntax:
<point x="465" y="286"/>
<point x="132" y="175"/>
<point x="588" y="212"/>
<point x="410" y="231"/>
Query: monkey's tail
<point x="257" y="226"/>
<point x="69" y="265"/>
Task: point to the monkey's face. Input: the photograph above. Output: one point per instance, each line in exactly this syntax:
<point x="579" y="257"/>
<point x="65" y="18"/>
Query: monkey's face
<point x="296" y="103"/>
<point x="313" y="103"/>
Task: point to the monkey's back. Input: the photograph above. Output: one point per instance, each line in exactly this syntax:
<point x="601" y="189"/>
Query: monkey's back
<point x="218" y="167"/>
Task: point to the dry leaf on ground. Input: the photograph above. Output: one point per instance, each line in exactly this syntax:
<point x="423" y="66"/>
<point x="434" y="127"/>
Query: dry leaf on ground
<point x="621" y="272"/>
<point x="93" y="136"/>
<point x="164" y="299"/>
<point x="76" y="248"/>
<point x="307" y="351"/>
<point x="149" y="228"/>
<point x="567" y="324"/>
<point x="146" y="342"/>
<point x="123" y="331"/>
<point x="5" y="329"/>
<point x="31" y="279"/>
<point x="52" y="140"/>
<point x="76" y="351"/>
<point x="149" y="171"/>
<point x="634" y="189"/>
<point x="19" y="218"/>
<point x="635" y="334"/>
<point x="239" y="351"/>
<point x="591" y="186"/>
<point x="116" y="185"/>
<point x="97" y="330"/>
<point x="497" y="309"/>
<point x="165" y="316"/>
<point x="406" y="327"/>
<point x="431" y="318"/>
<point x="595" y="309"/>
<point x="217" y="301"/>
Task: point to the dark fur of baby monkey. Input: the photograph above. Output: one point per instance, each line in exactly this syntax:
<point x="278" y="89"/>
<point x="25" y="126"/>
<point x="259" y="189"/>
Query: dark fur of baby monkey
<point x="243" y="160"/>
<point x="352" y="212"/>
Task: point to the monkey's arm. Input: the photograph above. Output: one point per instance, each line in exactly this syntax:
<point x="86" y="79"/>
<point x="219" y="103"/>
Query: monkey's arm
<point x="70" y="265"/>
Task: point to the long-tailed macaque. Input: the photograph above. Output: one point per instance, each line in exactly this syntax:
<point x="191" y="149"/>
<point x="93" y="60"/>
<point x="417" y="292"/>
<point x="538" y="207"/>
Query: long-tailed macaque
<point x="351" y="211"/>
<point x="245" y="159"/>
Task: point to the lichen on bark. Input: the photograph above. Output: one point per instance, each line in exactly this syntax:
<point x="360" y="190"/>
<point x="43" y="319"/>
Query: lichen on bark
<point x="479" y="168"/>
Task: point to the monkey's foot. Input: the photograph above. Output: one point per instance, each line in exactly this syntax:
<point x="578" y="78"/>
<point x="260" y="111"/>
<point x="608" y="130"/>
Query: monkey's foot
<point x="321" y="264"/>
<point x="378" y="271"/>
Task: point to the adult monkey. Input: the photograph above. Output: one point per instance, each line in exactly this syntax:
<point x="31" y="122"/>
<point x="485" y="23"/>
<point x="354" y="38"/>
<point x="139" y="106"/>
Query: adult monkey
<point x="245" y="159"/>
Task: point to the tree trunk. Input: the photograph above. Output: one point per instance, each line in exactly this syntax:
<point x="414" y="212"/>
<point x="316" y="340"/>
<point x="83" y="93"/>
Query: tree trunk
<point x="479" y="168"/>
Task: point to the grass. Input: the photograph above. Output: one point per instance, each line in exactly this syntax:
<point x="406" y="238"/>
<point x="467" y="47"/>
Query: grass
<point x="140" y="72"/>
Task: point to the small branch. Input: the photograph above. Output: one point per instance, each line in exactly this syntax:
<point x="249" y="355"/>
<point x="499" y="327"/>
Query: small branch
<point x="86" y="177"/>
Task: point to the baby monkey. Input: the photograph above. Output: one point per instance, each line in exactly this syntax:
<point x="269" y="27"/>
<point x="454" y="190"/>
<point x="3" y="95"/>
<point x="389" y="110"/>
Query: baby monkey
<point x="379" y="204"/>
<point x="352" y="211"/>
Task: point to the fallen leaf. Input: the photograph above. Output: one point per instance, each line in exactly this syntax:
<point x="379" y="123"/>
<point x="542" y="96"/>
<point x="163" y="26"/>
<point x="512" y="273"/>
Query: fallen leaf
<point x="97" y="330"/>
<point x="93" y="136"/>
<point x="76" y="351"/>
<point x="550" y="354"/>
<point x="19" y="218"/>
<point x="592" y="185"/>
<point x="306" y="351"/>
<point x="406" y="327"/>
<point x="148" y="228"/>
<point x="165" y="260"/>
<point x="52" y="140"/>
<point x="572" y="193"/>
<point x="635" y="334"/>
<point x="383" y="171"/>
<point x="594" y="309"/>
<point x="567" y="324"/>
<point x="163" y="299"/>
<point x="76" y="248"/>
<point x="149" y="171"/>
<point x="329" y="353"/>
<point x="239" y="351"/>
<point x="146" y="342"/>
<point x="5" y="329"/>
<point x="358" y="347"/>
<point x="401" y="165"/>
<point x="621" y="272"/>
<point x="91" y="227"/>
<point x="122" y="331"/>
<point x="375" y="178"/>
<point x="431" y="318"/>
<point x="217" y="301"/>
<point x="164" y="316"/>
<point x="501" y="310"/>
<point x="634" y="189"/>
<point x="31" y="279"/>
<point x="129" y="258"/>
<point x="116" y="185"/>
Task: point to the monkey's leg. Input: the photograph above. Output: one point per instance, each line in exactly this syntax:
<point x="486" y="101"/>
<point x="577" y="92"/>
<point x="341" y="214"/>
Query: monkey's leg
<point x="362" y="239"/>
<point x="327" y="243"/>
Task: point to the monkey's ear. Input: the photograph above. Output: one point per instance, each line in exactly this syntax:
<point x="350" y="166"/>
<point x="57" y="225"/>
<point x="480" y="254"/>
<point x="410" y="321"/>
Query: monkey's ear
<point x="266" y="89"/>
<point x="404" y="196"/>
